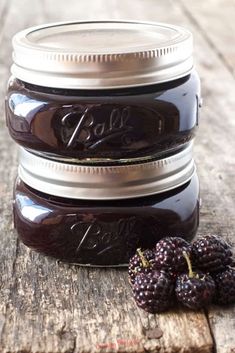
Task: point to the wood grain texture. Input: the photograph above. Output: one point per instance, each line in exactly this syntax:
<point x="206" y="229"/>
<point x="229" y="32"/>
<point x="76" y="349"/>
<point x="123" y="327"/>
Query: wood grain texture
<point x="215" y="19"/>
<point x="50" y="307"/>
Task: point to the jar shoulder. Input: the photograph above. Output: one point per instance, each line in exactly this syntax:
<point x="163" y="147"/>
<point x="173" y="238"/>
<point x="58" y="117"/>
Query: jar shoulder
<point x="188" y="83"/>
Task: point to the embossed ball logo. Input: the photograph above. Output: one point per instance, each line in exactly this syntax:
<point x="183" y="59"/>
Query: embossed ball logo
<point x="100" y="238"/>
<point x="85" y="128"/>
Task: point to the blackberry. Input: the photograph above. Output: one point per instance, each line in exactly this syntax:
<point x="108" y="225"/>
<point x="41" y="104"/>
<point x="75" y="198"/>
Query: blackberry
<point x="154" y="292"/>
<point x="169" y="254"/>
<point x="225" y="286"/>
<point x="141" y="262"/>
<point x="211" y="253"/>
<point x="194" y="290"/>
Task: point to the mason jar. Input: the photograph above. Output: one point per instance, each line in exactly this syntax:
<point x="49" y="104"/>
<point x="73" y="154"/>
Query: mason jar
<point x="100" y="215"/>
<point x="105" y="114"/>
<point x="106" y="91"/>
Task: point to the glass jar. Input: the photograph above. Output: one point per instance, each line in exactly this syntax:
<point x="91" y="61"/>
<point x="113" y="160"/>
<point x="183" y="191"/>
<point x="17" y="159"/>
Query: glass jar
<point x="105" y="231"/>
<point x="73" y="97"/>
<point x="112" y="124"/>
<point x="105" y="113"/>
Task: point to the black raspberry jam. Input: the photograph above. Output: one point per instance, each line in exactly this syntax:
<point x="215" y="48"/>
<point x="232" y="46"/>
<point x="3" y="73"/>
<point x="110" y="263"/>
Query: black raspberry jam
<point x="105" y="113"/>
<point x="112" y="124"/>
<point x="104" y="233"/>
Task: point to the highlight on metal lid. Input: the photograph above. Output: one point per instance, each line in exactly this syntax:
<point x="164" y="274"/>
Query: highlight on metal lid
<point x="106" y="182"/>
<point x="102" y="54"/>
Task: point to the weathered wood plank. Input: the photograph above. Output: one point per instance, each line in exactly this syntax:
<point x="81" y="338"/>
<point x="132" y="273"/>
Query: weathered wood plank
<point x="222" y="321"/>
<point x="214" y="152"/>
<point x="8" y="241"/>
<point x="8" y="166"/>
<point x="215" y="19"/>
<point x="51" y="307"/>
<point x="87" y="313"/>
<point x="13" y="22"/>
<point x="66" y="327"/>
<point x="2" y="6"/>
<point x="4" y="10"/>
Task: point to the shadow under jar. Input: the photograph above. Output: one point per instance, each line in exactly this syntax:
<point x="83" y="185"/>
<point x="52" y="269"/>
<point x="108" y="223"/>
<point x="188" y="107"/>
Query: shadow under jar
<point x="103" y="91"/>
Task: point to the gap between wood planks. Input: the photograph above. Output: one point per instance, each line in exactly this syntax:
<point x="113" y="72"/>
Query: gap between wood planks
<point x="3" y="15"/>
<point x="213" y="348"/>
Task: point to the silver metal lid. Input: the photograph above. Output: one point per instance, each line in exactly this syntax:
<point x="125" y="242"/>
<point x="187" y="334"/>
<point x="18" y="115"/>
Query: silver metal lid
<point x="106" y="182"/>
<point x="101" y="54"/>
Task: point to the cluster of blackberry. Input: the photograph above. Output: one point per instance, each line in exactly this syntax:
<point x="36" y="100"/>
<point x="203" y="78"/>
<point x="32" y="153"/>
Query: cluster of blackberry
<point x="194" y="274"/>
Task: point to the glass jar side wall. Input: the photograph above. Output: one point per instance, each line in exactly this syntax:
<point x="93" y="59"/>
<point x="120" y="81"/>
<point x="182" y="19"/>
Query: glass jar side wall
<point x="104" y="124"/>
<point x="103" y="233"/>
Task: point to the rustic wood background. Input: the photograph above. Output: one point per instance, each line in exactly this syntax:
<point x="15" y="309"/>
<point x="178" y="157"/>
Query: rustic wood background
<point x="49" y="307"/>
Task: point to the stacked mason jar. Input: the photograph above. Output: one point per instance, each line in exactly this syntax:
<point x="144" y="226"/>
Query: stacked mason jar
<point x="105" y="115"/>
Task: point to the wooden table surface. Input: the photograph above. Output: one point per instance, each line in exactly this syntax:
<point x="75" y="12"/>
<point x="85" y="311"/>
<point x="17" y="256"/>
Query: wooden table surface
<point x="49" y="307"/>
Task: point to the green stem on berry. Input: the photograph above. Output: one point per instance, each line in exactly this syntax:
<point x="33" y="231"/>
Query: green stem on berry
<point x="144" y="261"/>
<point x="191" y="274"/>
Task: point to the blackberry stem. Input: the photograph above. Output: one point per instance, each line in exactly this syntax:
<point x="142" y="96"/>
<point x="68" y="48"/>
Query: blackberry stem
<point x="190" y="270"/>
<point x="144" y="261"/>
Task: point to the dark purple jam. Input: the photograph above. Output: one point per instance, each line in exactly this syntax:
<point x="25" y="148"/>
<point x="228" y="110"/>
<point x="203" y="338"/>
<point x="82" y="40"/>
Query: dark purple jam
<point x="103" y="232"/>
<point x="115" y="124"/>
